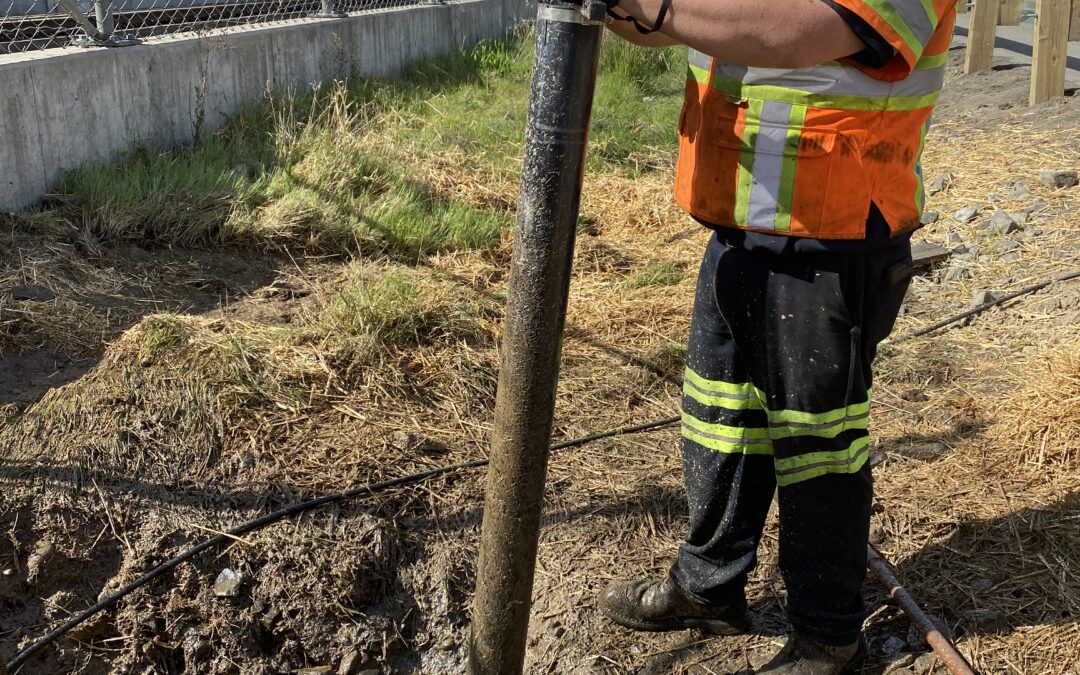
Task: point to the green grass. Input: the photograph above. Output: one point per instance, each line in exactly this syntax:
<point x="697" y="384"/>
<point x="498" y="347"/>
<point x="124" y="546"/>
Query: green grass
<point x="398" y="308"/>
<point x="163" y="333"/>
<point x="335" y="171"/>
<point x="655" y="274"/>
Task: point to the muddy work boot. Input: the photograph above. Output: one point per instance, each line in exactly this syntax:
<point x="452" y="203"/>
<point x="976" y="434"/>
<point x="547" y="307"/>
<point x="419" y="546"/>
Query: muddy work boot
<point x="803" y="656"/>
<point x="662" y="605"/>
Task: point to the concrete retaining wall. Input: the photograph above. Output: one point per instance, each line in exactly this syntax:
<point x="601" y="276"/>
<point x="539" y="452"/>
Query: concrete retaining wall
<point x="61" y="108"/>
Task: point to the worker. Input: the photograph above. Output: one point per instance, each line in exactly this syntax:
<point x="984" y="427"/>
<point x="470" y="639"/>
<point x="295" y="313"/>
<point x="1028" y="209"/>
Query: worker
<point x="799" y="146"/>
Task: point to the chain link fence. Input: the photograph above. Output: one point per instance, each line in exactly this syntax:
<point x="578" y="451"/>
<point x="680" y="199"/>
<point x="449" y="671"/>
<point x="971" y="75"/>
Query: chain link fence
<point x="27" y="25"/>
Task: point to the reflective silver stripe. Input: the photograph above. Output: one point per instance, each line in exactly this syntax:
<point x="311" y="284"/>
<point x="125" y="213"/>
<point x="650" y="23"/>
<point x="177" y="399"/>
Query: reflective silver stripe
<point x="719" y="394"/>
<point x="700" y="60"/>
<point x="768" y="164"/>
<point x="836" y="462"/>
<point x="824" y="425"/>
<point x="914" y="15"/>
<point x="843" y="81"/>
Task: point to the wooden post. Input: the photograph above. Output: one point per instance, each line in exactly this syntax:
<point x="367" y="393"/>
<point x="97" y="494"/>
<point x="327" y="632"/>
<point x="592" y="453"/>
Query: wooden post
<point x="962" y="7"/>
<point x="1049" y="51"/>
<point x="1074" y="30"/>
<point x="982" y="29"/>
<point x="1009" y="13"/>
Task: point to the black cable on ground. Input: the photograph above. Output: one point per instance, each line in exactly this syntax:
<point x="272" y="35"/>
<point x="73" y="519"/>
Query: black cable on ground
<point x="373" y="488"/>
<point x="985" y="306"/>
<point x="370" y="489"/>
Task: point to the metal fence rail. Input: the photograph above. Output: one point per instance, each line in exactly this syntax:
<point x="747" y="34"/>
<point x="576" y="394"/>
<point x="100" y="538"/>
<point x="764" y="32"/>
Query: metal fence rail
<point x="27" y="25"/>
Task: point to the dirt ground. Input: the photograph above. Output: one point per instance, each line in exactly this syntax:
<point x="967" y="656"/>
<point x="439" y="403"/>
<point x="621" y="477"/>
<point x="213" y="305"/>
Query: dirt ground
<point x="111" y="462"/>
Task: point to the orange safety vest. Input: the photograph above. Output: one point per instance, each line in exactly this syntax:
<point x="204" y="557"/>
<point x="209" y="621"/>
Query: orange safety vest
<point x="804" y="152"/>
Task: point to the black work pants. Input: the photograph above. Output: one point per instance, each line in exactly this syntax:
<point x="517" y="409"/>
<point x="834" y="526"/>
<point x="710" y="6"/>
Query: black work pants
<point x="776" y="397"/>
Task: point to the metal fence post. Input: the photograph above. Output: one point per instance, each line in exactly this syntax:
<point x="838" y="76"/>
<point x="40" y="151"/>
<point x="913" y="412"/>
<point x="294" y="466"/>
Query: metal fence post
<point x="103" y="12"/>
<point x="329" y="10"/>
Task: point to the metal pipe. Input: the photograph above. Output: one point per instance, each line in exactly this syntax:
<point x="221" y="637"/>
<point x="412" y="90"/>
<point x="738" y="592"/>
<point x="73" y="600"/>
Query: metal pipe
<point x="103" y="12"/>
<point x="953" y="659"/>
<point x="564" y="77"/>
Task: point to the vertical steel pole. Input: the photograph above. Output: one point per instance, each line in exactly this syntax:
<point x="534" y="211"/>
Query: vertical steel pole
<point x="564" y="76"/>
<point x="103" y="12"/>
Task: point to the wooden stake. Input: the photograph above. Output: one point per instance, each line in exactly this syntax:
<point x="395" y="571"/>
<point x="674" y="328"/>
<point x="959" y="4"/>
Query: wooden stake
<point x="1074" y="23"/>
<point x="982" y="29"/>
<point x="1049" y="51"/>
<point x="1009" y="14"/>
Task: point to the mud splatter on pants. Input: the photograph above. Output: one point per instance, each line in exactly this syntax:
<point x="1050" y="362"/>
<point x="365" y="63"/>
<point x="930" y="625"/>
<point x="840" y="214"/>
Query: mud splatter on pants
<point x="776" y="397"/>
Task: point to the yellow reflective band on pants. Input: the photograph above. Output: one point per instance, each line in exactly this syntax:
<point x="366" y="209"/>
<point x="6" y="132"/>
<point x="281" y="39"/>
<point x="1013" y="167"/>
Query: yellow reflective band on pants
<point x="747" y="431"/>
<point x="720" y="394"/>
<point x="814" y="464"/>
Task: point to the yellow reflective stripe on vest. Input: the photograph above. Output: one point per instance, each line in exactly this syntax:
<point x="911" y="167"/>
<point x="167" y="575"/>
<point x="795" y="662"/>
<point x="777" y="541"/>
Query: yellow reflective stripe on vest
<point x="920" y="194"/>
<point x="814" y="464"/>
<point x="720" y="394"/>
<point x="931" y="62"/>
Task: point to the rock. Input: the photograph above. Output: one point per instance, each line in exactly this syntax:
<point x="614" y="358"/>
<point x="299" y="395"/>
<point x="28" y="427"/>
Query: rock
<point x="1019" y="189"/>
<point x="1005" y="245"/>
<point x="43" y="551"/>
<point x="228" y="583"/>
<point x="1059" y="179"/>
<point x="967" y="214"/>
<point x="1003" y="223"/>
<point x="941" y="183"/>
<point x="981" y="585"/>
<point x="350" y="663"/>
<point x="196" y="647"/>
<point x="1030" y="232"/>
<point x="1010" y="257"/>
<point x="954" y="238"/>
<point x="926" y="664"/>
<point x="1036" y="206"/>
<point x="994" y="197"/>
<point x="929" y="217"/>
<point x="925" y="254"/>
<point x="981" y="297"/>
<point x="955" y="273"/>
<point x="877" y="535"/>
<point x="894" y="645"/>
<point x="32" y="293"/>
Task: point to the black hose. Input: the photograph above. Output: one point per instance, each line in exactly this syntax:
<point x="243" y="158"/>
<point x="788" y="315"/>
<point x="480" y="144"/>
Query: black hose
<point x="269" y="518"/>
<point x="373" y="488"/>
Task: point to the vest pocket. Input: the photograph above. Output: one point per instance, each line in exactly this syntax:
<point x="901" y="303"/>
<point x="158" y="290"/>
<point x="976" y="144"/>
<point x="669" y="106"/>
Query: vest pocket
<point x="785" y="174"/>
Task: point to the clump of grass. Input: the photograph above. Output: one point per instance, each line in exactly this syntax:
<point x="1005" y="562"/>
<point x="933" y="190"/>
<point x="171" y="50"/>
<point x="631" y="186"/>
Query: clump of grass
<point x="669" y="357"/>
<point x="655" y="274"/>
<point x="398" y="308"/>
<point x="161" y="334"/>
